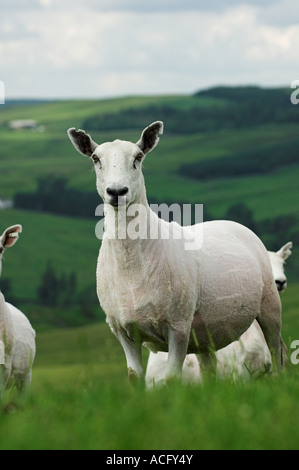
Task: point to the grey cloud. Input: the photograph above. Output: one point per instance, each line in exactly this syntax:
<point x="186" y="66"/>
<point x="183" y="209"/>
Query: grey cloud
<point x="168" y="5"/>
<point x="19" y="5"/>
<point x="276" y="12"/>
<point x="280" y="13"/>
<point x="95" y="48"/>
<point x="136" y="5"/>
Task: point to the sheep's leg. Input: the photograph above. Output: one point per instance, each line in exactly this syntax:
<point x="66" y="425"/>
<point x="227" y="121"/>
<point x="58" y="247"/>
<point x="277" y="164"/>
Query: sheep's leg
<point x="177" y="350"/>
<point x="208" y="364"/>
<point x="270" y="322"/>
<point x="133" y="355"/>
<point x="2" y="380"/>
<point x="275" y="343"/>
<point x="23" y="383"/>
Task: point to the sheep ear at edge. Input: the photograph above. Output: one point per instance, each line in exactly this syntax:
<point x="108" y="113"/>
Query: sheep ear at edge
<point x="82" y="142"/>
<point x="11" y="235"/>
<point x="150" y="136"/>
<point x="285" y="251"/>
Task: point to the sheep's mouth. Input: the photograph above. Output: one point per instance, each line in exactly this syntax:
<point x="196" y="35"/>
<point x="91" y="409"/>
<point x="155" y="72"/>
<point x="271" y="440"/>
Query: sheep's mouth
<point x="120" y="201"/>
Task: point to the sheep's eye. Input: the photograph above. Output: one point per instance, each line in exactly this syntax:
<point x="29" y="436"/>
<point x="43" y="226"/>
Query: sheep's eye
<point x="137" y="159"/>
<point x="95" y="159"/>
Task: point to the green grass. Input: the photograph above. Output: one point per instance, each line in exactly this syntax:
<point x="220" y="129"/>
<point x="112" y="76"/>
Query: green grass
<point x="91" y="406"/>
<point x="80" y="399"/>
<point x="89" y="414"/>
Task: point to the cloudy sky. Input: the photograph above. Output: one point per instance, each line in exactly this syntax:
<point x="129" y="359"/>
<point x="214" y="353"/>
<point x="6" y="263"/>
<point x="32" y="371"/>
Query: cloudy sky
<point x="107" y="48"/>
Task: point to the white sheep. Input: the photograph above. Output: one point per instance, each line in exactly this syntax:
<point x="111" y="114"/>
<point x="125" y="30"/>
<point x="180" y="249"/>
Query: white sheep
<point x="17" y="337"/>
<point x="278" y="260"/>
<point x="156" y="292"/>
<point x="245" y="358"/>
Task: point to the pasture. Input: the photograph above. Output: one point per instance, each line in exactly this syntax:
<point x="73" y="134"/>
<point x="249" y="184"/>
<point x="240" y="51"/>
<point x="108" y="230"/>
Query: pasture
<point x="80" y="396"/>
<point x="80" y="399"/>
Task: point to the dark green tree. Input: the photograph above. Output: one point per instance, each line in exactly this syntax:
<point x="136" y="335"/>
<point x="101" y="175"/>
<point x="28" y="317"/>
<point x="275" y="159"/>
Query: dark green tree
<point x="48" y="290"/>
<point x="242" y="214"/>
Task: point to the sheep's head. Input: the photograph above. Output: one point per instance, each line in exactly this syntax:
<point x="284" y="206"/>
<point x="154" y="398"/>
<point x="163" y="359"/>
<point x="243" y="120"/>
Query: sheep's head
<point x="278" y="260"/>
<point x="8" y="238"/>
<point x="118" y="164"/>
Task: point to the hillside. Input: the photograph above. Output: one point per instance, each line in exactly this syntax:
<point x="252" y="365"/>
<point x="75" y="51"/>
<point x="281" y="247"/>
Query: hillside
<point x="27" y="156"/>
<point x="80" y="385"/>
<point x="270" y="197"/>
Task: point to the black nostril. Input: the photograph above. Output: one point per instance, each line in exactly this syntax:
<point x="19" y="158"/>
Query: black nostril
<point x="110" y="191"/>
<point x="117" y="192"/>
<point x="280" y="284"/>
<point x="123" y="191"/>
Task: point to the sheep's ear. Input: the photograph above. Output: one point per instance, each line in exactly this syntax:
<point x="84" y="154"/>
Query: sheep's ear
<point x="82" y="141"/>
<point x="150" y="136"/>
<point x="10" y="236"/>
<point x="285" y="251"/>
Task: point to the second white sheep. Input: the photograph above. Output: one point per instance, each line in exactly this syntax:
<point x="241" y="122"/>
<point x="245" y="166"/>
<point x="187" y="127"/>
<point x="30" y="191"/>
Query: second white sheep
<point x="248" y="357"/>
<point x="17" y="337"/>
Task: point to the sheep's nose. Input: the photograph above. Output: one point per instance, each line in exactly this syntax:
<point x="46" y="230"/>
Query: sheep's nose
<point x="280" y="285"/>
<point x="117" y="192"/>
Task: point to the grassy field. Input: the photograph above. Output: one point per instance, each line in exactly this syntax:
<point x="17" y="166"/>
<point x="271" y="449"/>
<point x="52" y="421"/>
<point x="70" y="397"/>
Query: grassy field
<point x="85" y="411"/>
<point x="80" y="399"/>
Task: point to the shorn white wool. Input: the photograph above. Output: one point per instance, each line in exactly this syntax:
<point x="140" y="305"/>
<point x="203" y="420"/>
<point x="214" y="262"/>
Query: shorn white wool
<point x="245" y="358"/>
<point x="17" y="337"/>
<point x="154" y="292"/>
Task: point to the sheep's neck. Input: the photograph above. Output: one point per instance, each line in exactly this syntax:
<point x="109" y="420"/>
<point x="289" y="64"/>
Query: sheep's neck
<point x="128" y="234"/>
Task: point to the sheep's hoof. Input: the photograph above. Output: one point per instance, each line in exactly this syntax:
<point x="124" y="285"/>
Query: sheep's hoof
<point x="172" y="379"/>
<point x="133" y="377"/>
<point x="10" y="408"/>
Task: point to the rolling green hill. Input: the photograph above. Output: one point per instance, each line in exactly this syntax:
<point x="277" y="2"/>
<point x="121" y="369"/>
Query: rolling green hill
<point x="80" y="397"/>
<point x="70" y="244"/>
<point x="26" y="155"/>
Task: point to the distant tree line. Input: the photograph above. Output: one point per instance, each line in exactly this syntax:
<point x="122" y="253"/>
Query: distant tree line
<point x="61" y="290"/>
<point x="274" y="231"/>
<point x="238" y="107"/>
<point x="248" y="162"/>
<point x="54" y="196"/>
<point x="59" y="301"/>
<point x="56" y="289"/>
